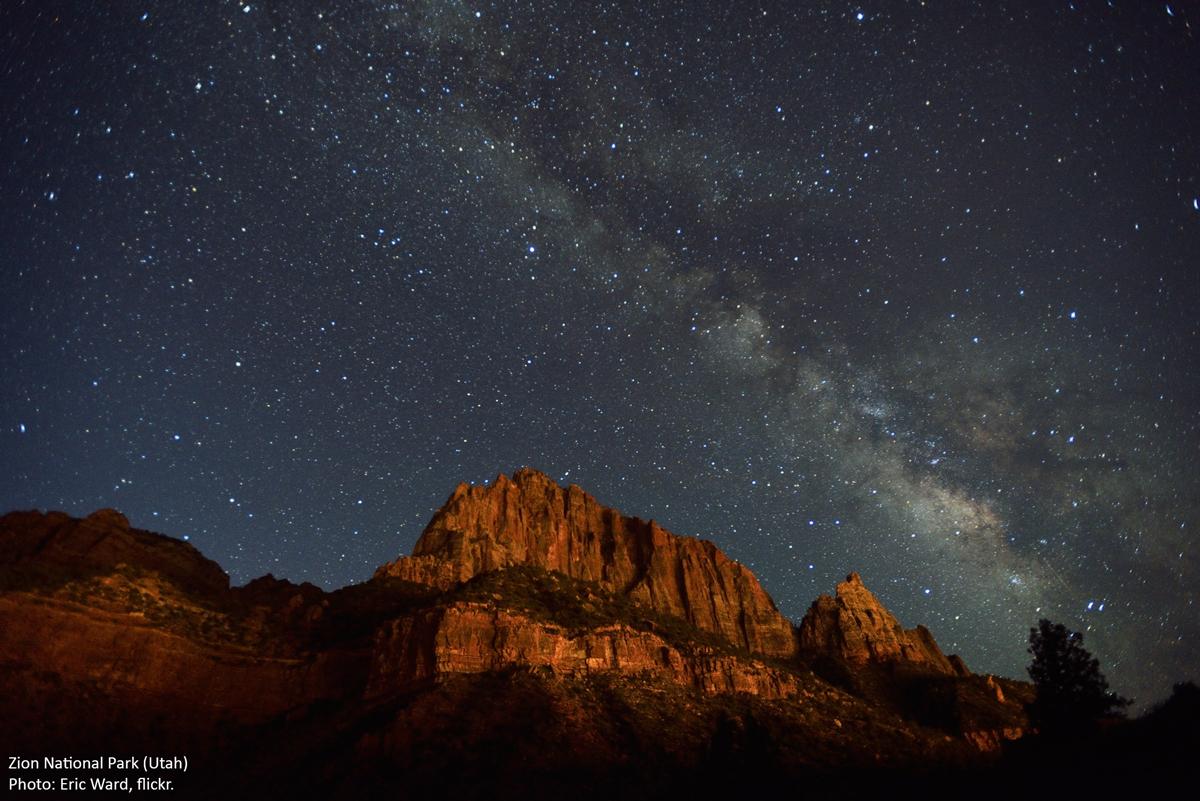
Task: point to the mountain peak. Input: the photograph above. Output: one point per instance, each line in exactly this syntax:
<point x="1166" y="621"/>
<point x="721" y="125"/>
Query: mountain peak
<point x="856" y="627"/>
<point x="576" y="617"/>
<point x="108" y="518"/>
<point x="529" y="519"/>
<point x="529" y="475"/>
<point x="100" y="542"/>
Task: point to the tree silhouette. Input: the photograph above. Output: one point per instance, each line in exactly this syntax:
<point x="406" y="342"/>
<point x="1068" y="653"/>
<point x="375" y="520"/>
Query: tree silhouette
<point x="1072" y="693"/>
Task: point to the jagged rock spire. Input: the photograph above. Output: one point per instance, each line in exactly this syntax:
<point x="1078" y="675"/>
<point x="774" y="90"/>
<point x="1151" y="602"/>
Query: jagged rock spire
<point x="854" y="626"/>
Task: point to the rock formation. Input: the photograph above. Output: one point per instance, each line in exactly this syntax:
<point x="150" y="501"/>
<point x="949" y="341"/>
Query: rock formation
<point x="855" y="627"/>
<point x="530" y="520"/>
<point x="101" y="541"/>
<point x="134" y="609"/>
<point x="466" y="638"/>
<point x="529" y="617"/>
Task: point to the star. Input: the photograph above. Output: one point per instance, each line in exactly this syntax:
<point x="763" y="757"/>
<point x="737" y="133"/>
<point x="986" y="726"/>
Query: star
<point x="546" y="241"/>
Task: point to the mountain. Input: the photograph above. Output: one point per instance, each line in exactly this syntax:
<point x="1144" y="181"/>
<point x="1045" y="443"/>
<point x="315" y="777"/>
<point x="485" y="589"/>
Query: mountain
<point x="530" y="520"/>
<point x="535" y="643"/>
<point x="854" y="627"/>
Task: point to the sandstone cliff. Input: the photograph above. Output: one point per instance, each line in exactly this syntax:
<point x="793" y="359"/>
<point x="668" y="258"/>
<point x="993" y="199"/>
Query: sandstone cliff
<point x="530" y="520"/>
<point x="854" y="626"/>
<point x="99" y="542"/>
<point x="530" y="617"/>
<point x="136" y="610"/>
<point x="482" y="638"/>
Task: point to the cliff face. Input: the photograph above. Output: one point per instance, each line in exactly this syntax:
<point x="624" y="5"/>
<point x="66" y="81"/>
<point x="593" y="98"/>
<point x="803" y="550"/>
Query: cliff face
<point x="481" y="638"/>
<point x="149" y="615"/>
<point x="98" y="543"/>
<point x="530" y="520"/>
<point x="529" y="618"/>
<point x="855" y="627"/>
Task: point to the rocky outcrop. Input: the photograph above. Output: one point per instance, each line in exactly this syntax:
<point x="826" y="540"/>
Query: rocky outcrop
<point x="135" y="612"/>
<point x="481" y="638"/>
<point x="530" y="520"/>
<point x="992" y="740"/>
<point x="905" y="670"/>
<point x="123" y="654"/>
<point x="98" y="543"/>
<point x="529" y="614"/>
<point x="855" y="627"/>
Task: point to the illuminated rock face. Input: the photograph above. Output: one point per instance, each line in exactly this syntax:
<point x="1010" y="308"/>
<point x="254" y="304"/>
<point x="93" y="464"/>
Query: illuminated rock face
<point x="149" y="620"/>
<point x="854" y="626"/>
<point x="523" y="597"/>
<point x="469" y="638"/>
<point x="530" y="520"/>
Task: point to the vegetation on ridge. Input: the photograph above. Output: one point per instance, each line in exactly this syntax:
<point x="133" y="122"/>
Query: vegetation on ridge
<point x="578" y="606"/>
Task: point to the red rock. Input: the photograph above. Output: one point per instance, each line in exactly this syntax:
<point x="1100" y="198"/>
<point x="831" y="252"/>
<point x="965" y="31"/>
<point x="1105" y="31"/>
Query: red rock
<point x="856" y="627"/>
<point x="112" y="635"/>
<point x="469" y="637"/>
<point x="100" y="542"/>
<point x="146" y="616"/>
<point x="530" y="520"/>
<point x="124" y="653"/>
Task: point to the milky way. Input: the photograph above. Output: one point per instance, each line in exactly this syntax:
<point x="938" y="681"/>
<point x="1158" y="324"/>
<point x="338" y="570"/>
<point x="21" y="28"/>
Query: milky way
<point x="907" y="289"/>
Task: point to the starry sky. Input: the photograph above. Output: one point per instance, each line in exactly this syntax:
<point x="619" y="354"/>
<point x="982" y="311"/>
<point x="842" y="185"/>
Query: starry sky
<point x="907" y="288"/>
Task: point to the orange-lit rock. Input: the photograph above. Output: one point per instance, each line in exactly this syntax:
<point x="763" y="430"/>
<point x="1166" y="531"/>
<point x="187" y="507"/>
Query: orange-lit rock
<point x="580" y="636"/>
<point x="530" y="520"/>
<point x="480" y="638"/>
<point x="855" y="626"/>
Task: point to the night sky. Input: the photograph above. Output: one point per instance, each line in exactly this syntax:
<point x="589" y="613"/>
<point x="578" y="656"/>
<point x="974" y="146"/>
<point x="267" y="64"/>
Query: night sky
<point x="903" y="288"/>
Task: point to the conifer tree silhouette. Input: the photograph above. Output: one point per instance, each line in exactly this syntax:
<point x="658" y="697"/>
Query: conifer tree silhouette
<point x="1072" y="693"/>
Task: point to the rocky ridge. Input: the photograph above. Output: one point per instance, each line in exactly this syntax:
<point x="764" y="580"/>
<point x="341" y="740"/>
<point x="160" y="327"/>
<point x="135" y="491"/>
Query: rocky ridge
<point x="466" y="638"/>
<point x="855" y="627"/>
<point x="530" y="520"/>
<point x="610" y="620"/>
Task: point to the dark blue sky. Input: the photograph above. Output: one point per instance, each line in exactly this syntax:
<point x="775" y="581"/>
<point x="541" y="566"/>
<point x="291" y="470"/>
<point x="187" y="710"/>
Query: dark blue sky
<point x="902" y="288"/>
